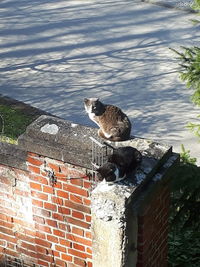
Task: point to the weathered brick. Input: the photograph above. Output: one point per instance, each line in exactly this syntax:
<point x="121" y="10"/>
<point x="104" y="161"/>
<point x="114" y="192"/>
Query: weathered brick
<point x="50" y="206"/>
<point x="37" y="203"/>
<point x="38" y="219"/>
<point x="58" y="233"/>
<point x="34" y="161"/>
<point x="66" y="257"/>
<point x="78" y="223"/>
<point x="61" y="249"/>
<point x="43" y="228"/>
<point x="76" y="199"/>
<point x="51" y="222"/>
<point x="77" y="214"/>
<point x="62" y="194"/>
<point x="39" y="195"/>
<point x="28" y="246"/>
<point x="78" y="207"/>
<point x="64" y="210"/>
<point x="39" y="179"/>
<point x="78" y="247"/>
<point x="42" y="242"/>
<point x="36" y="186"/>
<point x="77" y="231"/>
<point x="75" y="190"/>
<point x="79" y="240"/>
<point x="48" y="189"/>
<point x="65" y="242"/>
<point x="77" y="253"/>
<point x="34" y="169"/>
<point x="52" y="238"/>
<point x="79" y="262"/>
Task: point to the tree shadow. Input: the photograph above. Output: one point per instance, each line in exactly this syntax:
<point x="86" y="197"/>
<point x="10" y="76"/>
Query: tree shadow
<point x="53" y="54"/>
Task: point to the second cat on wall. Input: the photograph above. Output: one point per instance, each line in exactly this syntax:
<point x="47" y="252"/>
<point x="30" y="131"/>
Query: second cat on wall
<point x="114" y="124"/>
<point x="120" y="165"/>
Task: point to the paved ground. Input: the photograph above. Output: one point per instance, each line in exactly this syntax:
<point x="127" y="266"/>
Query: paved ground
<point x="55" y="53"/>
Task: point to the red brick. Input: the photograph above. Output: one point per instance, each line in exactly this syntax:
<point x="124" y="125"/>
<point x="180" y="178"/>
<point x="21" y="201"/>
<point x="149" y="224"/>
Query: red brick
<point x="76" y="199"/>
<point x="80" y="240"/>
<point x="58" y="185"/>
<point x="34" y="161"/>
<point x="38" y="219"/>
<point x="41" y="212"/>
<point x="65" y="242"/>
<point x="87" y="202"/>
<point x="77" y="182"/>
<point x="6" y="231"/>
<point x="43" y="263"/>
<point x="39" y="195"/>
<point x="37" y="203"/>
<point x="87" y="185"/>
<point x="39" y="179"/>
<point x="77" y="231"/>
<point x="63" y="194"/>
<point x="79" y="262"/>
<point x="89" y="250"/>
<point x="75" y="190"/>
<point x="34" y="169"/>
<point x="88" y="218"/>
<point x="6" y="224"/>
<point x="77" y="253"/>
<point x="52" y="238"/>
<point x="47" y="258"/>
<point x="57" y="200"/>
<point x="54" y="167"/>
<point x="78" y="207"/>
<point x="78" y="215"/>
<point x="43" y="243"/>
<point x="43" y="228"/>
<point x="88" y="235"/>
<point x="40" y="235"/>
<point x="48" y="189"/>
<point x="89" y="264"/>
<point x="78" y="223"/>
<point x="29" y="232"/>
<point x="66" y="257"/>
<point x="60" y="263"/>
<point x="62" y="226"/>
<point x="58" y="216"/>
<point x="61" y="249"/>
<point x="10" y="239"/>
<point x="50" y="206"/>
<point x="52" y="223"/>
<point x="58" y="233"/>
<point x="64" y="210"/>
<point x="6" y="218"/>
<point x="28" y="246"/>
<point x="35" y="186"/>
<point x="79" y="247"/>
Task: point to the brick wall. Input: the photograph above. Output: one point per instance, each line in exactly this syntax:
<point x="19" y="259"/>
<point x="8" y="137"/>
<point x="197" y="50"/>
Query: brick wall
<point x="153" y="230"/>
<point x="45" y="215"/>
<point x="45" y="223"/>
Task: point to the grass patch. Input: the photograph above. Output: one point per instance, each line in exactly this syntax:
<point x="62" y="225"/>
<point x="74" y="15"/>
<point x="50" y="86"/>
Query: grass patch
<point x="13" y="123"/>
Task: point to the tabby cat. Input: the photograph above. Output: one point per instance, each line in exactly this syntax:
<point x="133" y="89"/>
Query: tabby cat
<point x="113" y="123"/>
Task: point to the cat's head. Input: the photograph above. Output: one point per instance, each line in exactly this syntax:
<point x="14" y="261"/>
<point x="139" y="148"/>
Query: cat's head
<point x="92" y="105"/>
<point x="109" y="172"/>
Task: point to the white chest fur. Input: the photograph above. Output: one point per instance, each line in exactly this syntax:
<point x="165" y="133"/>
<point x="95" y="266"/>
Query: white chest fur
<point x="92" y="117"/>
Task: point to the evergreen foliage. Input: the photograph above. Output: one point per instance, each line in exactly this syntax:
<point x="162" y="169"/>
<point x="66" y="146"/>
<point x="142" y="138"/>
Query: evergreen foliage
<point x="184" y="237"/>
